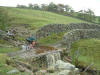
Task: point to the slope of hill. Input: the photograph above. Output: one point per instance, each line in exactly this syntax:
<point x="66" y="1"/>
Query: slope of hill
<point x="36" y="18"/>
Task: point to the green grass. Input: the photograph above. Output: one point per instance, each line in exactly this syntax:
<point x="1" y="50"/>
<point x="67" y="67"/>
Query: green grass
<point x="6" y="50"/>
<point x="36" y="18"/>
<point x="4" y="68"/>
<point x="6" y="47"/>
<point x="89" y="52"/>
<point x="51" y="39"/>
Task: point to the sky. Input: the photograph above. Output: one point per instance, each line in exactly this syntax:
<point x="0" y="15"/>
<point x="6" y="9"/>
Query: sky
<point x="75" y="4"/>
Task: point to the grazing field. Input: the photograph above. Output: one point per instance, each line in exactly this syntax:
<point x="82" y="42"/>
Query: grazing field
<point x="36" y="18"/>
<point x="88" y="52"/>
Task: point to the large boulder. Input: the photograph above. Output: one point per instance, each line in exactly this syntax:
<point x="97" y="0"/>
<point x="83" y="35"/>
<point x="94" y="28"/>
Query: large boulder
<point x="63" y="68"/>
<point x="13" y="71"/>
<point x="61" y="65"/>
<point x="66" y="68"/>
<point x="51" y="69"/>
<point x="67" y="72"/>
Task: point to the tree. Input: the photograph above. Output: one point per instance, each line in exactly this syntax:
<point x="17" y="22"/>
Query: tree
<point x="4" y="18"/>
<point x="67" y="8"/>
<point x="36" y="7"/>
<point x="99" y="19"/>
<point x="60" y="8"/>
<point x="91" y="15"/>
<point x="72" y="12"/>
<point x="44" y="7"/>
<point x="81" y="14"/>
<point x="30" y="6"/>
<point x="52" y="7"/>
<point x="87" y="15"/>
<point x="21" y="6"/>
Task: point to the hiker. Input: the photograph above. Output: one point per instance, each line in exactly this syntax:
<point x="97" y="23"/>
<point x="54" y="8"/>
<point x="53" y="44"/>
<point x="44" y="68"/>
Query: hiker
<point x="10" y="34"/>
<point x="31" y="41"/>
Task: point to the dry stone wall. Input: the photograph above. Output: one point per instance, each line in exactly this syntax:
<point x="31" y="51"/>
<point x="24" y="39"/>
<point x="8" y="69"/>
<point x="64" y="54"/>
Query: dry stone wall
<point x="78" y="34"/>
<point x="73" y="32"/>
<point x="56" y="28"/>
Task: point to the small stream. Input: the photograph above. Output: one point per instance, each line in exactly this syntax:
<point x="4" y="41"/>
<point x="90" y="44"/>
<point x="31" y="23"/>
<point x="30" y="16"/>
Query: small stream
<point x="52" y="58"/>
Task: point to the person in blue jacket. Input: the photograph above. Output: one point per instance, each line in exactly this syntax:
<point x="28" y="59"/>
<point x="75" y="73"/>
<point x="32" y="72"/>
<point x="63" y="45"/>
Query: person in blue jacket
<point x="31" y="40"/>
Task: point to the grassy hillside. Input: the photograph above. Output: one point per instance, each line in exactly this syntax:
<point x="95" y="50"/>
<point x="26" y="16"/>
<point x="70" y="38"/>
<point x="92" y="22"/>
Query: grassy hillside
<point x="36" y="18"/>
<point x="89" y="52"/>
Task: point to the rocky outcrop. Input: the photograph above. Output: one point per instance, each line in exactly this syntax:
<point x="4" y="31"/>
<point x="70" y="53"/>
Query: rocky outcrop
<point x="61" y="65"/>
<point x="64" y="68"/>
<point x="21" y="66"/>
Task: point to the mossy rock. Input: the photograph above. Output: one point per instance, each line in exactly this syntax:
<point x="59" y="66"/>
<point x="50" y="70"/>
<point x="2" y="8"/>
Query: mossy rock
<point x="51" y="69"/>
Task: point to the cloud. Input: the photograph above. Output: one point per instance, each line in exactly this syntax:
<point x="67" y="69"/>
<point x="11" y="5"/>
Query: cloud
<point x="76" y="4"/>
